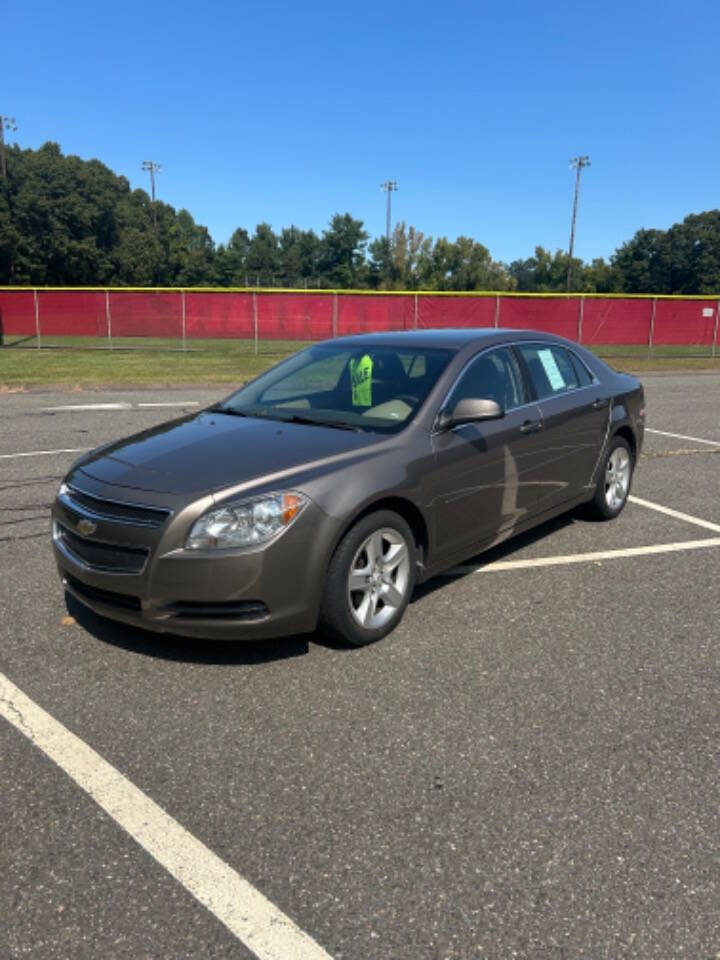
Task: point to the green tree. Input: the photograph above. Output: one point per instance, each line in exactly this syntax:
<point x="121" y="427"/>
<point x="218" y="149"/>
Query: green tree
<point x="231" y="260"/>
<point x="68" y="221"/>
<point x="643" y="264"/>
<point x="299" y="255"/>
<point x="341" y="259"/>
<point x="263" y="259"/>
<point x="396" y="267"/>
<point x="683" y="260"/>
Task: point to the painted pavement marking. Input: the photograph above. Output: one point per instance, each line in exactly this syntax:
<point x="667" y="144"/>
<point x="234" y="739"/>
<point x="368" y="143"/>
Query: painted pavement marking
<point x="251" y="917"/>
<point x="596" y="556"/>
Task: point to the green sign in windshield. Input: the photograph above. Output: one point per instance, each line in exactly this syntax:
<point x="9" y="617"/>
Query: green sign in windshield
<point x="361" y="381"/>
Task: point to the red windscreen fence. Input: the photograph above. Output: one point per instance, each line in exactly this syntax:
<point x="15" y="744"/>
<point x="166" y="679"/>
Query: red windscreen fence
<point x="304" y="315"/>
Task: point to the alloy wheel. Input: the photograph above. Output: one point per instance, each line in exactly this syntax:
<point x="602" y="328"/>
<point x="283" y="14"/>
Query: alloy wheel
<point x="617" y="478"/>
<point x="379" y="577"/>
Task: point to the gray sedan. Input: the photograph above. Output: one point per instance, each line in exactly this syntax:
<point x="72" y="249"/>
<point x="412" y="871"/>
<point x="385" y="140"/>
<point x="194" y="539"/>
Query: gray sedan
<point x="321" y="493"/>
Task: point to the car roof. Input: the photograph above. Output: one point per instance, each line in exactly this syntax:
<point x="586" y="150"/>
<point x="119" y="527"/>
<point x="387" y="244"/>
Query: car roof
<point x="452" y="338"/>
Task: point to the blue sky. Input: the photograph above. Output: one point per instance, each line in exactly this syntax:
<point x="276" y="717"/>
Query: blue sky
<point x="290" y="112"/>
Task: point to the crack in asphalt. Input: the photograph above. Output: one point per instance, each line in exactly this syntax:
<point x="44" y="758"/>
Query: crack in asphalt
<point x="23" y="508"/>
<point x="8" y="523"/>
<point x="30" y="481"/>
<point x="11" y="708"/>
<point x="25" y="536"/>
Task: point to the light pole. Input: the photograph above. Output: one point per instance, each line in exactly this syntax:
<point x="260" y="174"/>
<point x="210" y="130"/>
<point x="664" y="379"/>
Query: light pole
<point x="577" y="163"/>
<point x="152" y="169"/>
<point x="387" y="187"/>
<point x="6" y="123"/>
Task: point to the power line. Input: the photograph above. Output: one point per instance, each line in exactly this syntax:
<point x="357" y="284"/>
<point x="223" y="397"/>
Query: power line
<point x="6" y="123"/>
<point x="577" y="163"/>
<point x="152" y="169"/>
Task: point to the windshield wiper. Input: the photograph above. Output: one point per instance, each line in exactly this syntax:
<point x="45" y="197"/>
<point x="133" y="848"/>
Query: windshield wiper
<point x="337" y="424"/>
<point x="230" y="411"/>
<point x="234" y="412"/>
<point x="295" y="418"/>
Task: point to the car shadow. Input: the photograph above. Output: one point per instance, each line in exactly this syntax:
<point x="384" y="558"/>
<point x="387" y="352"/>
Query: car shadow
<point x="502" y="551"/>
<point x="167" y="646"/>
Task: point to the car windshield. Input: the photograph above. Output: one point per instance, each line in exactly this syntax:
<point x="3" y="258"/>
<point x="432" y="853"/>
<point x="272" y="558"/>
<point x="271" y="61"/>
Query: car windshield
<point x="376" y="388"/>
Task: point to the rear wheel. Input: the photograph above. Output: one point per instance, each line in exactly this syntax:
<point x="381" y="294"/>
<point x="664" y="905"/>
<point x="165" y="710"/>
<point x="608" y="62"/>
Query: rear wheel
<point x="613" y="486"/>
<point x="370" y="579"/>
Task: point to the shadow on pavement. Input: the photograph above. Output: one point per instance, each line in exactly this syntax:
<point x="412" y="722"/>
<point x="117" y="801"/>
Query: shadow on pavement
<point x="166" y="646"/>
<point x="502" y="551"/>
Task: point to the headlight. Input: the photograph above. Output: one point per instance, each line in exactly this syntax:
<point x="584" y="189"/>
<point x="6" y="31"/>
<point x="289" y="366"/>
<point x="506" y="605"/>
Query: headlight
<point x="247" y="523"/>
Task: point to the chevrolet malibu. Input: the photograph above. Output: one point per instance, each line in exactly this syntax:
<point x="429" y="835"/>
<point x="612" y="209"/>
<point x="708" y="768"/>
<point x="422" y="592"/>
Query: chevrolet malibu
<point x="321" y="493"/>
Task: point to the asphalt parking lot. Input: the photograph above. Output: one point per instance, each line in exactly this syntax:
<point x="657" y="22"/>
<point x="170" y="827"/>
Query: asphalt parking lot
<point x="528" y="767"/>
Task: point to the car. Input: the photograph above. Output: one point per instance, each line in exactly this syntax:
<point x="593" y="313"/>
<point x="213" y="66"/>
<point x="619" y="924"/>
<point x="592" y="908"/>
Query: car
<point x="319" y="494"/>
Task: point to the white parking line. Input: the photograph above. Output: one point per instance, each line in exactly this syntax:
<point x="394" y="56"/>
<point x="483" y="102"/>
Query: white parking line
<point x="173" y="403"/>
<point x="682" y="436"/>
<point x="42" y="453"/>
<point x="86" y="407"/>
<point x="120" y="405"/>
<point x="499" y="565"/>
<point x="668" y="511"/>
<point x="250" y="916"/>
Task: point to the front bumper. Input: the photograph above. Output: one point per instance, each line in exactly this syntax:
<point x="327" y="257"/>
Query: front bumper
<point x="251" y="594"/>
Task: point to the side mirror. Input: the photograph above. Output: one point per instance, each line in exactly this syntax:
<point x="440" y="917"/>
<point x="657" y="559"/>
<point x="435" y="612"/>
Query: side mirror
<point x="471" y="410"/>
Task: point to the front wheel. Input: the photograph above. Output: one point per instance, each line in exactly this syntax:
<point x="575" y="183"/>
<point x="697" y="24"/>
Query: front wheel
<point x="370" y="579"/>
<point x="613" y="487"/>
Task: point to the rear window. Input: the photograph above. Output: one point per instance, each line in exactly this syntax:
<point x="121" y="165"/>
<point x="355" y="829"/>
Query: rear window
<point x="583" y="374"/>
<point x="551" y="369"/>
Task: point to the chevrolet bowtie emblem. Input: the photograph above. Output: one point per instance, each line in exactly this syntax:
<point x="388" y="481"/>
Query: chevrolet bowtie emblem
<point x="86" y="527"/>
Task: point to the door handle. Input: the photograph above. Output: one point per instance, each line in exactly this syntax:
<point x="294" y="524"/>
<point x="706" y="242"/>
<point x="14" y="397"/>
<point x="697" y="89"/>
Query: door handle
<point x="530" y="426"/>
<point x="600" y="403"/>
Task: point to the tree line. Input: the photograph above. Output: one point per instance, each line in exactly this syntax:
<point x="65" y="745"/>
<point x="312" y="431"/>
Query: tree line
<point x="68" y="221"/>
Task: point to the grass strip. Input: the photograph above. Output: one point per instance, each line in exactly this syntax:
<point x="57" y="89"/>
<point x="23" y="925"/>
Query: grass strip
<point x="87" y="362"/>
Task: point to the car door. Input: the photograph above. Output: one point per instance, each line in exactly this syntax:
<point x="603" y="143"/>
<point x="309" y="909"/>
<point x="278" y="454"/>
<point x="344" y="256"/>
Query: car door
<point x="575" y="410"/>
<point x="486" y="474"/>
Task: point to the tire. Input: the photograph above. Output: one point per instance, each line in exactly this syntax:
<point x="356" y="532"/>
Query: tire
<point x="377" y="556"/>
<point x="614" y="481"/>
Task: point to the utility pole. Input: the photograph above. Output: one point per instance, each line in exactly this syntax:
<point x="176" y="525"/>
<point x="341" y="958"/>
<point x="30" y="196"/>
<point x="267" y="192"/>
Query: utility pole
<point x="577" y="163"/>
<point x="6" y="123"/>
<point x="152" y="169"/>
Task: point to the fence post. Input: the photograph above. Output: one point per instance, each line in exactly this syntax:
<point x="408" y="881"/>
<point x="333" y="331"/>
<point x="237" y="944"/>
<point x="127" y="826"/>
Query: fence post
<point x="652" y="325"/>
<point x="37" y="318"/>
<point x="108" y="319"/>
<point x="497" y="309"/>
<point x="580" y="319"/>
<point x="415" y="312"/>
<point x="255" y="321"/>
<point x="715" y="330"/>
<point x="334" y="314"/>
<point x="184" y="338"/>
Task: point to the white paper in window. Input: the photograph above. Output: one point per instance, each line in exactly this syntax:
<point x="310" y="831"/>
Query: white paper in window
<point x="552" y="370"/>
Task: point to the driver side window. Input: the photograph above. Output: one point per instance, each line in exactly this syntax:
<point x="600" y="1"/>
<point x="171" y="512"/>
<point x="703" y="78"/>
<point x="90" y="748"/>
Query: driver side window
<point x="494" y="375"/>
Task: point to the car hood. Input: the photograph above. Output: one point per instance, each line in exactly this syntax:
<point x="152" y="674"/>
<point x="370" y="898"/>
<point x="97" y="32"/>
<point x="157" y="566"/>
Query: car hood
<point x="209" y="451"/>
